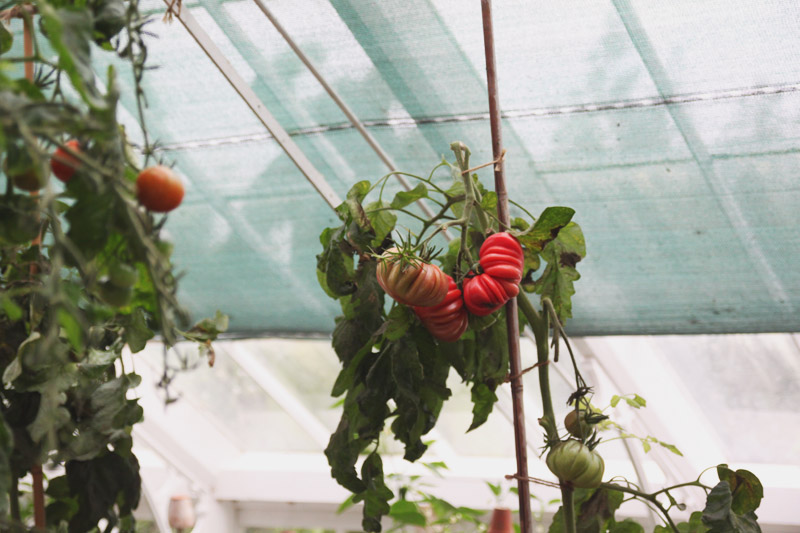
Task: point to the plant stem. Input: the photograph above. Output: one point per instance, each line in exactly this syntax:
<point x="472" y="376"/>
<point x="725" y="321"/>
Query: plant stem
<point x="13" y="498"/>
<point x="38" y="496"/>
<point x="539" y="325"/>
<point x="647" y="497"/>
<point x="568" y="507"/>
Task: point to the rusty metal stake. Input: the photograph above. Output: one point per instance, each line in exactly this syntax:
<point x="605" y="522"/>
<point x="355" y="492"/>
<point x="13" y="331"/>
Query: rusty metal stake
<point x="512" y="320"/>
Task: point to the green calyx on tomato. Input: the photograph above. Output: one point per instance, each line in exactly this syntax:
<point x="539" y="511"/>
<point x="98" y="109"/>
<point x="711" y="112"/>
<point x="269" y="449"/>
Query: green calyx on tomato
<point x="574" y="463"/>
<point x="410" y="280"/>
<point x="448" y="320"/>
<point x="159" y="189"/>
<point x="63" y="164"/>
<point x="483" y="294"/>
<point x="502" y="258"/>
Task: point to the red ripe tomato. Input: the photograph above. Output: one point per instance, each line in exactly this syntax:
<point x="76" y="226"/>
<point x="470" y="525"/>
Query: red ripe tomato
<point x="63" y="164"/>
<point x="501" y="257"/>
<point x="159" y="189"/>
<point x="411" y="281"/>
<point x="448" y="320"/>
<point x="483" y="294"/>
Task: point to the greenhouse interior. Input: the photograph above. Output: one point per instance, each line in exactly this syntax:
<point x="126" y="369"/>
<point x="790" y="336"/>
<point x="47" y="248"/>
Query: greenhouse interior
<point x="328" y="266"/>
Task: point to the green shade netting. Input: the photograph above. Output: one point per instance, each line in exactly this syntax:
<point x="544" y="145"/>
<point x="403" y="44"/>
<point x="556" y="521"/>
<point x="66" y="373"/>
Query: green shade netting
<point x="672" y="128"/>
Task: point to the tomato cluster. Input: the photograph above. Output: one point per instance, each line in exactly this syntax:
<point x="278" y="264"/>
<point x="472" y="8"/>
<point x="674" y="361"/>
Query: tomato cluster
<point x="435" y="296"/>
<point x="447" y="320"/>
<point x="502" y="261"/>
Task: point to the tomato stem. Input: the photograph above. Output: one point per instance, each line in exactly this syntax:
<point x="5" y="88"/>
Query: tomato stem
<point x="568" y="507"/>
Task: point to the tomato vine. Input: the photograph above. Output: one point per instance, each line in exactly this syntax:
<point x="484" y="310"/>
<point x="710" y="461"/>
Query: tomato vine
<point x="85" y="272"/>
<point x="396" y="359"/>
<point x="394" y="369"/>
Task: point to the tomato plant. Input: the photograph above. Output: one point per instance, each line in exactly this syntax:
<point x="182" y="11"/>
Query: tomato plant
<point x="85" y="273"/>
<point x="396" y="360"/>
<point x="63" y="164"/>
<point x="575" y="463"/>
<point x="447" y="320"/>
<point x="159" y="189"/>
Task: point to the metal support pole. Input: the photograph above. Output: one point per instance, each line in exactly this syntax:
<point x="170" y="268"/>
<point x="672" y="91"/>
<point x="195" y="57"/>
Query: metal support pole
<point x="512" y="317"/>
<point x="354" y="120"/>
<point x="313" y="175"/>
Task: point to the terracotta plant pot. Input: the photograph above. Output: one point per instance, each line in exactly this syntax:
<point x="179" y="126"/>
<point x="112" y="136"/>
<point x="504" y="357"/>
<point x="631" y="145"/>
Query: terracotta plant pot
<point x="501" y="521"/>
<point x="181" y="512"/>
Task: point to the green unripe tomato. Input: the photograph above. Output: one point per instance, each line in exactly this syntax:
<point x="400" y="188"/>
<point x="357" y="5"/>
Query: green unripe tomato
<point x="575" y="463"/>
<point x="576" y="424"/>
<point x="123" y="276"/>
<point x="115" y="296"/>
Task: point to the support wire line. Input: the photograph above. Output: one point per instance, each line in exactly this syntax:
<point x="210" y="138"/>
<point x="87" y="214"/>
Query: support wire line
<point x="250" y="98"/>
<point x="354" y="120"/>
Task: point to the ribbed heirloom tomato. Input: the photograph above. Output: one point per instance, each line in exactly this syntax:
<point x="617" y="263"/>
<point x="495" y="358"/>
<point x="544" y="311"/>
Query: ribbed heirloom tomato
<point x="448" y="320"/>
<point x="159" y="189"/>
<point x="63" y="164"/>
<point x="483" y="294"/>
<point x="411" y="281"/>
<point x="574" y="462"/>
<point x="502" y="258"/>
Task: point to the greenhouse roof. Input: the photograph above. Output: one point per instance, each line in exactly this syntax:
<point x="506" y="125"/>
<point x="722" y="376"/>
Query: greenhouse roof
<point x="671" y="128"/>
<point x="248" y="434"/>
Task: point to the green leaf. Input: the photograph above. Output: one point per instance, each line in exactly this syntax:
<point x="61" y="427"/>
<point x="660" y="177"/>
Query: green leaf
<point x="746" y="487"/>
<point x="489" y="201"/>
<point x="407" y="513"/>
<point x="694" y="525"/>
<point x="70" y="33"/>
<point x="344" y="380"/>
<point x="626" y="526"/>
<point x="397" y="322"/>
<point x="6" y="39"/>
<point x="496" y="490"/>
<point x="72" y="329"/>
<point x="137" y="332"/>
<point x="335" y="264"/>
<point x="404" y="198"/>
<point x="11" y="309"/>
<point x="597" y="512"/>
<point x="407" y="375"/>
<point x="671" y="447"/>
<point x="720" y="517"/>
<point x="346" y="504"/>
<point x="557" y="280"/>
<point x="208" y="329"/>
<point x="355" y="196"/>
<point x="99" y="485"/>
<point x="636" y="402"/>
<point x="547" y="227"/>
<point x="615" y="400"/>
<point x="483" y="399"/>
<point x="52" y="414"/>
<point x="376" y="497"/>
<point x="382" y="220"/>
